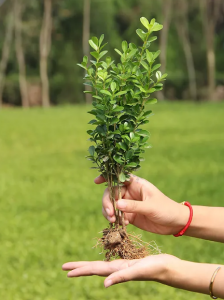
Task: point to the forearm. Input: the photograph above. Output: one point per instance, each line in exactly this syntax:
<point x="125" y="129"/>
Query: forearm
<point x="207" y="223"/>
<point x="194" y="277"/>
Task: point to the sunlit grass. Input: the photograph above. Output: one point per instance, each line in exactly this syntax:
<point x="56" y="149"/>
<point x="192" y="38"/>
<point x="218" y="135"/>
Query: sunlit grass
<point x="51" y="209"/>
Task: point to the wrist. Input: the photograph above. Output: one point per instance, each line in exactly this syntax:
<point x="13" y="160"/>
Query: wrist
<point x="182" y="217"/>
<point x="184" y="214"/>
<point x="168" y="269"/>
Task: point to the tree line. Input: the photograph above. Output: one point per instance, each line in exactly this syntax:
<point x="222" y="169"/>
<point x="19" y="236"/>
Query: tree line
<point x="41" y="43"/>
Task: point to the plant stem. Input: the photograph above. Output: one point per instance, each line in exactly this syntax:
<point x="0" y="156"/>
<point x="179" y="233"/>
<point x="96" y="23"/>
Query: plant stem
<point x="122" y="213"/>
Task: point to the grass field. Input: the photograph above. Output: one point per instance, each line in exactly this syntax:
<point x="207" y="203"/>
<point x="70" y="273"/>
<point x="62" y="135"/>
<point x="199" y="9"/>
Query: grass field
<point x="50" y="209"/>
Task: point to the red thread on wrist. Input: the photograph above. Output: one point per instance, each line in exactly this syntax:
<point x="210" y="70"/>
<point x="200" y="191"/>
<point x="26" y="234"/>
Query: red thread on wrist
<point x="189" y="220"/>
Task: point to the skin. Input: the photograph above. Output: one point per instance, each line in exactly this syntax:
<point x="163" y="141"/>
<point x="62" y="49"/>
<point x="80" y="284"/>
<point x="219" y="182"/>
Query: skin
<point x="146" y="207"/>
<point x="149" y="209"/>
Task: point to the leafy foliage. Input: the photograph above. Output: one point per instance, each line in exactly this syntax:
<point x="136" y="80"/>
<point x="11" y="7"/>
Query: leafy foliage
<point x="120" y="92"/>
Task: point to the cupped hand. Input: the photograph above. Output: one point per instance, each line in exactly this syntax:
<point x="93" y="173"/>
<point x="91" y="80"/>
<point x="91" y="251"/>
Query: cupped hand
<point x="146" y="207"/>
<point x="150" y="268"/>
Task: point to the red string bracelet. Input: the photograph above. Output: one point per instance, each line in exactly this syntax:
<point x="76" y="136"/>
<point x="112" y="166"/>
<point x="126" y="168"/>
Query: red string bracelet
<point x="189" y="221"/>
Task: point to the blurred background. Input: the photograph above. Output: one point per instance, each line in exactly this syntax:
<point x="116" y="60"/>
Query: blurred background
<point x="42" y="41"/>
<point x="50" y="209"/>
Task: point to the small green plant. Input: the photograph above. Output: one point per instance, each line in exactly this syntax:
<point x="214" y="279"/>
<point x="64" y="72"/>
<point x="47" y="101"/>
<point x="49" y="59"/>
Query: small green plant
<point x="120" y="94"/>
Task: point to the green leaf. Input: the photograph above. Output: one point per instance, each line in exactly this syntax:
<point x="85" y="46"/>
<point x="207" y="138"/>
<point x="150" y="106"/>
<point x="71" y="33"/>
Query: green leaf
<point x="122" y="177"/>
<point x="152" y="90"/>
<point x="142" y="132"/>
<point x="92" y="121"/>
<point x="93" y="45"/>
<point x="141" y="34"/>
<point x="102" y="54"/>
<point x="132" y="53"/>
<point x="100" y="106"/>
<point x="149" y="56"/>
<point x="101" y="39"/>
<point x="95" y="40"/>
<point x="124" y="46"/>
<point x="157" y="27"/>
<point x="156" y="54"/>
<point x="100" y="130"/>
<point x="141" y="88"/>
<point x="113" y="86"/>
<point x="145" y="23"/>
<point x="106" y="92"/>
<point x="152" y="21"/>
<point x="145" y="139"/>
<point x="156" y="67"/>
<point x="100" y="117"/>
<point x="103" y="46"/>
<point x="123" y="146"/>
<point x="145" y="122"/>
<point x="95" y="54"/>
<point x="152" y="39"/>
<point x="132" y="46"/>
<point x="131" y="165"/>
<point x="81" y="66"/>
<point x="118" y="159"/>
<point x="108" y="60"/>
<point x="85" y="59"/>
<point x="90" y="132"/>
<point x="132" y="135"/>
<point x="147" y="113"/>
<point x="97" y="97"/>
<point x="164" y="76"/>
<point x="145" y="65"/>
<point x="147" y="145"/>
<point x="120" y="93"/>
<point x="116" y="132"/>
<point x="119" y="52"/>
<point x="114" y="120"/>
<point x="158" y="75"/>
<point x="91" y="150"/>
<point x="121" y="127"/>
<point x="118" y="108"/>
<point x="93" y="112"/>
<point x="129" y="154"/>
<point x="151" y="101"/>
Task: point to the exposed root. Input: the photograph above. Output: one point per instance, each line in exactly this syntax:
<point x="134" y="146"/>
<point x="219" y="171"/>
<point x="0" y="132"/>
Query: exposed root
<point x="119" y="244"/>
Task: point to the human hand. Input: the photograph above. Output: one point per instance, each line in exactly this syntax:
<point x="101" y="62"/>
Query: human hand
<point x="151" y="268"/>
<point x="146" y="207"/>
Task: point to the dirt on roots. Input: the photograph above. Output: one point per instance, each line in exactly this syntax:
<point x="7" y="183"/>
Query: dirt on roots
<point x="119" y="244"/>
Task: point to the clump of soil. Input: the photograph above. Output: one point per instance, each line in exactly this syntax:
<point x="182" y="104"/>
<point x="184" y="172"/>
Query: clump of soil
<point x="119" y="244"/>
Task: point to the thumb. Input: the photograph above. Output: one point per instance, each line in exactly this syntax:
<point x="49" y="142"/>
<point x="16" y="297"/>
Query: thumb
<point x="121" y="276"/>
<point x="132" y="206"/>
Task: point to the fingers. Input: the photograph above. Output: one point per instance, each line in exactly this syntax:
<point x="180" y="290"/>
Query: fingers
<point x="89" y="268"/>
<point x="99" y="268"/>
<point x="100" y="179"/>
<point x="107" y="215"/>
<point x="108" y="209"/>
<point x="132" y="206"/>
<point x="73" y="265"/>
<point x="130" y="273"/>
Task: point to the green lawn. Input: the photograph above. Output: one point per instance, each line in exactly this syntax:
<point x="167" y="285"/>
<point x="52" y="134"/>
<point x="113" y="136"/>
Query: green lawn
<point x="50" y="209"/>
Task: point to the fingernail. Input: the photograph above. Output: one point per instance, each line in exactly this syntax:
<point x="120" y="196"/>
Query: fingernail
<point x="108" y="283"/>
<point x="121" y="204"/>
<point x="108" y="211"/>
